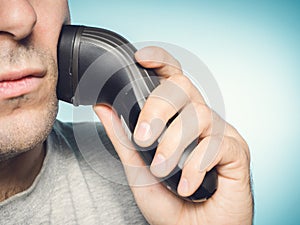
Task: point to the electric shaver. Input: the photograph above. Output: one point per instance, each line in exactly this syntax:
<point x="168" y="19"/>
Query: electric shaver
<point x="98" y="66"/>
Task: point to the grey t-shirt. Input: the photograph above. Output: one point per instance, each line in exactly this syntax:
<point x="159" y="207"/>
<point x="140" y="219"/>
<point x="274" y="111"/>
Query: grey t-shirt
<point x="75" y="188"/>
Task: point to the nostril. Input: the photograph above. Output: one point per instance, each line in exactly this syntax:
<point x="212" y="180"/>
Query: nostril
<point x="6" y="34"/>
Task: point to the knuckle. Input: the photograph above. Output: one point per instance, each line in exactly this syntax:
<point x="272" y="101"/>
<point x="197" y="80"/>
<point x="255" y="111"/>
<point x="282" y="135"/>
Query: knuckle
<point x="160" y="99"/>
<point x="190" y="169"/>
<point x="153" y="109"/>
<point x="218" y="125"/>
<point x="177" y="64"/>
<point x="203" y="111"/>
<point x="246" y="152"/>
<point x="241" y="151"/>
<point x="214" y="123"/>
<point x="153" y="113"/>
<point x="227" y="145"/>
<point x="173" y="63"/>
<point x="182" y="81"/>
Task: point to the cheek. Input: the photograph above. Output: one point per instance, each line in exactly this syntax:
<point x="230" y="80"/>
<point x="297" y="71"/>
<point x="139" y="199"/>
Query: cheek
<point x="51" y="15"/>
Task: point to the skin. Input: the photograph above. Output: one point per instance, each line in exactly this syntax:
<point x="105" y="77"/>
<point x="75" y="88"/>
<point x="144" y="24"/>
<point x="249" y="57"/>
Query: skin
<point x="29" y="31"/>
<point x="220" y="146"/>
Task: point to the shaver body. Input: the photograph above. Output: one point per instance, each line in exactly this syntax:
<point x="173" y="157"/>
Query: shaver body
<point x="98" y="66"/>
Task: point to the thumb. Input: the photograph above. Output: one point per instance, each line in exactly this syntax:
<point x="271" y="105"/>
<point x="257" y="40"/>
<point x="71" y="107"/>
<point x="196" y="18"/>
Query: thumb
<point x="137" y="172"/>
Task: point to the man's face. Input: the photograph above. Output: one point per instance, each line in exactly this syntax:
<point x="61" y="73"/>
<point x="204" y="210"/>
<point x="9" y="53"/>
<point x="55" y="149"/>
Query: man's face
<point x="29" y="31"/>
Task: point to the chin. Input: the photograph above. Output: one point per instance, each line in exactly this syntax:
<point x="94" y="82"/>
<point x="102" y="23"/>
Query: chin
<point x="27" y="127"/>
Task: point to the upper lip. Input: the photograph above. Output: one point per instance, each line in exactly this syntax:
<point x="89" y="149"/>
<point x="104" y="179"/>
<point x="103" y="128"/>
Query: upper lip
<point x="20" y="74"/>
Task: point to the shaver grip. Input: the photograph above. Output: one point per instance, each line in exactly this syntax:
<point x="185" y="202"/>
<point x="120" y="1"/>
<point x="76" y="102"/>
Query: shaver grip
<point x="93" y="59"/>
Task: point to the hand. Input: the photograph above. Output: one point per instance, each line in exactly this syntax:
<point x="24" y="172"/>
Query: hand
<point x="220" y="146"/>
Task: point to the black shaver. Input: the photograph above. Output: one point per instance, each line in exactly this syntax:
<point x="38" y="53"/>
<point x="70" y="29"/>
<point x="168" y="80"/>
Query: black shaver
<point x="98" y="66"/>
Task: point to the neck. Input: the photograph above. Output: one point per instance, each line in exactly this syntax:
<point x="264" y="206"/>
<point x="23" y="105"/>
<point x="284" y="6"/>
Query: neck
<point x="18" y="173"/>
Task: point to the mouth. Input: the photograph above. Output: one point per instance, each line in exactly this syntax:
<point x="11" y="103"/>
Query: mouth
<point x="19" y="83"/>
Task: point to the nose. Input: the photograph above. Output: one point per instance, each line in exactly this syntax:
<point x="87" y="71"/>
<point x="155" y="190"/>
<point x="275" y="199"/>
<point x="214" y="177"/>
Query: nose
<point x="17" y="18"/>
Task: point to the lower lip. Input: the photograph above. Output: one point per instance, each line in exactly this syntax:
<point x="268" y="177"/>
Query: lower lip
<point x="15" y="88"/>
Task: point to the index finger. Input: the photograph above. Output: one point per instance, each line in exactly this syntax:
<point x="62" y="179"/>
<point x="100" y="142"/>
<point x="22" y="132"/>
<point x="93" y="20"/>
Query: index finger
<point x="167" y="67"/>
<point x="158" y="59"/>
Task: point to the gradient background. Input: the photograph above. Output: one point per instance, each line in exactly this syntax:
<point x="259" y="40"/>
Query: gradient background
<point x="253" y="50"/>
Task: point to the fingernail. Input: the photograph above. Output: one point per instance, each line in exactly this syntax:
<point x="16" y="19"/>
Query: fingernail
<point x="146" y="133"/>
<point x="145" y="54"/>
<point x="143" y="132"/>
<point x="183" y="187"/>
<point x="158" y="165"/>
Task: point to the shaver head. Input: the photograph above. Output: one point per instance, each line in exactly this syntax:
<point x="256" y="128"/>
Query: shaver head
<point x="95" y="64"/>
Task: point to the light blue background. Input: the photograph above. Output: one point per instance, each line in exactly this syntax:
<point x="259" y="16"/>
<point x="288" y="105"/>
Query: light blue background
<point x="253" y="50"/>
